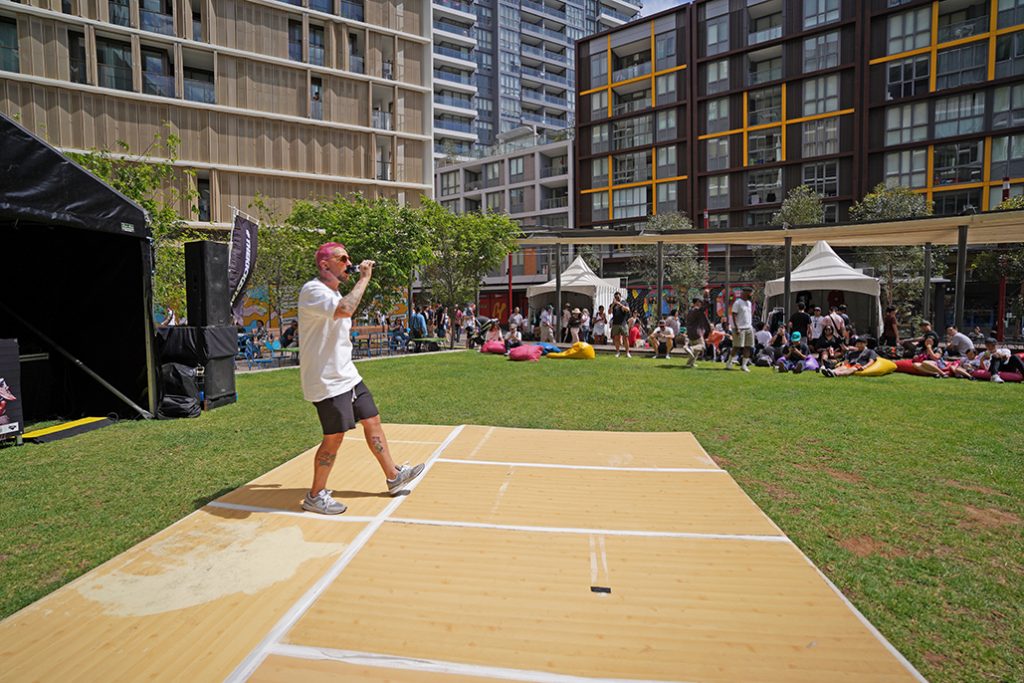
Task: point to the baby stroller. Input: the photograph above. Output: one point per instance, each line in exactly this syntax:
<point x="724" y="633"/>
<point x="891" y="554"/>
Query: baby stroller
<point x="483" y="325"/>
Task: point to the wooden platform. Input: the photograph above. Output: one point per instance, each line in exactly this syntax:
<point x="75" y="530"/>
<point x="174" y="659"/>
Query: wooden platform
<point x="519" y="555"/>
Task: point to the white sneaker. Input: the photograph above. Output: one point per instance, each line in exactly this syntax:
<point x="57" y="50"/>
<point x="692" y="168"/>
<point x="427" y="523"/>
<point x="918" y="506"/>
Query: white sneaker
<point x="323" y="503"/>
<point x="728" y="365"/>
<point x="617" y="354"/>
<point x="627" y="355"/>
<point x="997" y="379"/>
<point x="744" y="368"/>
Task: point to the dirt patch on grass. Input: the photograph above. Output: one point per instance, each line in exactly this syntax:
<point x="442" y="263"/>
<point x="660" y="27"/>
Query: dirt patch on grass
<point x="847" y="477"/>
<point x="774" y="491"/>
<point x="935" y="659"/>
<point x="988" y="518"/>
<point x="722" y="461"/>
<point x="865" y="546"/>
<point x="971" y="487"/>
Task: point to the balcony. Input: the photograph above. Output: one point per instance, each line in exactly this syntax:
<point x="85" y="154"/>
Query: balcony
<point x="631" y="106"/>
<point x="317" y="55"/>
<point x="552" y="170"/>
<point x="76" y="66"/>
<point x="540" y="53"/>
<point x="326" y="6"/>
<point x="387" y="70"/>
<point x="449" y="27"/>
<point x="457" y="5"/>
<point x="382" y="120"/>
<point x="352" y="10"/>
<point x="464" y="55"/>
<point x="544" y="32"/>
<point x="962" y="29"/>
<point x="120" y="13"/>
<point x="765" y="75"/>
<point x="543" y="9"/>
<point x="156" y="22"/>
<point x="465" y="79"/>
<point x="157" y="84"/>
<point x="473" y="185"/>
<point x="764" y="35"/>
<point x="459" y="102"/>
<point x="117" y="77"/>
<point x="614" y="13"/>
<point x="384" y="170"/>
<point x="356" y="64"/>
<point x="197" y="30"/>
<point x="544" y="120"/>
<point x="555" y="202"/>
<point x="449" y="124"/>
<point x="517" y="207"/>
<point x="634" y="71"/>
<point x="545" y="75"/>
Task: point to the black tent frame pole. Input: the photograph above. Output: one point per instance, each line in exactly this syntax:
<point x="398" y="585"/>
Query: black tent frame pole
<point x="86" y="369"/>
<point x="661" y="279"/>
<point x="926" y="305"/>
<point x="787" y="298"/>
<point x="147" y="316"/>
<point x="558" y="293"/>
<point x="961" y="276"/>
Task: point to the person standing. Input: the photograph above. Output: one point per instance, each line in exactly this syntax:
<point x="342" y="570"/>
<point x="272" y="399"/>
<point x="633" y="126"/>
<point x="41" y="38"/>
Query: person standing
<point x="697" y="327"/>
<point x="547" y="325"/>
<point x="817" y="324"/>
<point x="619" y="313"/>
<point x="800" y="321"/>
<point x="418" y="327"/>
<point x="743" y="333"/>
<point x="516" y="319"/>
<point x="330" y="380"/>
<point x="600" y="326"/>
<point x="890" y="328"/>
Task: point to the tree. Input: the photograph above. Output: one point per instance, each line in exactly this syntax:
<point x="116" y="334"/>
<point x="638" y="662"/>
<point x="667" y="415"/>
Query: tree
<point x="463" y="248"/>
<point x="802" y="206"/>
<point x="999" y="263"/>
<point x="156" y="187"/>
<point x="1016" y="202"/>
<point x="683" y="269"/>
<point x="393" y="235"/>
<point x="900" y="268"/>
<point x="284" y="258"/>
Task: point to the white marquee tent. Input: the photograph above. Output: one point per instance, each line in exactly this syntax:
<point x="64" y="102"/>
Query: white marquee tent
<point x="578" y="278"/>
<point x="823" y="272"/>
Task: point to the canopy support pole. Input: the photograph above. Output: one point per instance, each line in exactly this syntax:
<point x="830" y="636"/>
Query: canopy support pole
<point x="508" y="315"/>
<point x="147" y="309"/>
<point x="661" y="277"/>
<point x="558" y="292"/>
<point x="787" y="299"/>
<point x="961" y="276"/>
<point x="926" y="305"/>
<point x="79" y="364"/>
<point x="1001" y="310"/>
<point x="728" y="276"/>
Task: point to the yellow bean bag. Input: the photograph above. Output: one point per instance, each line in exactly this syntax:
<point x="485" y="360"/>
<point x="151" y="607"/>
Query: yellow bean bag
<point x="578" y="350"/>
<point x="880" y="366"/>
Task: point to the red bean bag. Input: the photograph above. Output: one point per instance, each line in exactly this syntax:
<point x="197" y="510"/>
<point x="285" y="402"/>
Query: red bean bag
<point x="526" y="352"/>
<point x="1007" y="376"/>
<point x="493" y="347"/>
<point x="906" y="365"/>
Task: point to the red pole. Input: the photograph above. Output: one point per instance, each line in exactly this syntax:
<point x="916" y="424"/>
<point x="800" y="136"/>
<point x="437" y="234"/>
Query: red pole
<point x="1006" y="187"/>
<point x="1001" y="311"/>
<point x="508" y="313"/>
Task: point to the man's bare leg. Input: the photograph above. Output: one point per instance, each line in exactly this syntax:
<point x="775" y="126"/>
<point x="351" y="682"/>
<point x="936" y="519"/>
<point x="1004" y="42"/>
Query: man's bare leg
<point x="378" y="443"/>
<point x="323" y="461"/>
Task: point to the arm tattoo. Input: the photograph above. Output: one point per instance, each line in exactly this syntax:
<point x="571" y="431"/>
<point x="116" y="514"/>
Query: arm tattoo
<point x="325" y="459"/>
<point x="348" y="304"/>
<point x="378" y="444"/>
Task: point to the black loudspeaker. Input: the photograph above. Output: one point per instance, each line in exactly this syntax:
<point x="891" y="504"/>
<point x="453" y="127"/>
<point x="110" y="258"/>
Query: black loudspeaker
<point x="219" y="382"/>
<point x="193" y="345"/>
<point x="206" y="283"/>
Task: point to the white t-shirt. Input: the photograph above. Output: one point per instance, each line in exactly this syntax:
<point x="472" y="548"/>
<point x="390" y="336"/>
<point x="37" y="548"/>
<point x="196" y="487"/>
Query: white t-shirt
<point x="762" y="337"/>
<point x="325" y="360"/>
<point x="817" y="326"/>
<point x="517" y="320"/>
<point x="673" y="324"/>
<point x="742" y="315"/>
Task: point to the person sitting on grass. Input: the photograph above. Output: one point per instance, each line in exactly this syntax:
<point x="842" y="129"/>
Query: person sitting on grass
<point x="634" y="333"/>
<point x="968" y="365"/>
<point x="929" y="361"/>
<point x="661" y="339"/>
<point x="514" y="337"/>
<point x="494" y="332"/>
<point x="762" y="338"/>
<point x="794" y="355"/>
<point x="828" y="347"/>
<point x="858" y="358"/>
<point x="1004" y="361"/>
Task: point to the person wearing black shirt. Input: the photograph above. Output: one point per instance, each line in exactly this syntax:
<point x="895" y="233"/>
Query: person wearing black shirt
<point x="794" y="356"/>
<point x="619" y="312"/>
<point x="927" y="331"/>
<point x="288" y="336"/>
<point x="800" y="322"/>
<point x="857" y="358"/>
<point x="828" y="347"/>
<point x="697" y="328"/>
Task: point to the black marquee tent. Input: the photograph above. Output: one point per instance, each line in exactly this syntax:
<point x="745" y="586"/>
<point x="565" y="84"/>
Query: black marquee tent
<point x="76" y="286"/>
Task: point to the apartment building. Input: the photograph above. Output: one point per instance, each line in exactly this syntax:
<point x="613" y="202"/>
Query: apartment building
<point x="836" y="94"/>
<point x="500" y="65"/>
<point x="287" y="100"/>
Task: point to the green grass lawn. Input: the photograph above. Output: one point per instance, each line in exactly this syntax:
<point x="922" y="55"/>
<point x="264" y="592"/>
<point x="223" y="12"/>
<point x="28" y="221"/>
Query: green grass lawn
<point x="905" y="491"/>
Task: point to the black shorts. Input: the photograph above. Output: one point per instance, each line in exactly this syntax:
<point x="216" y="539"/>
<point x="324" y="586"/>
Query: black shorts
<point x="341" y="413"/>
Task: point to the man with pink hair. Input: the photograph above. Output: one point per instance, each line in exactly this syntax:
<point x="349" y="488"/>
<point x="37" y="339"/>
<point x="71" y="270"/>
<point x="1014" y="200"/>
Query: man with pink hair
<point x="330" y="379"/>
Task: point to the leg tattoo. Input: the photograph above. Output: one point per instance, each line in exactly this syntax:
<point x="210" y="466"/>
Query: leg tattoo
<point x="378" y="444"/>
<point x="325" y="459"/>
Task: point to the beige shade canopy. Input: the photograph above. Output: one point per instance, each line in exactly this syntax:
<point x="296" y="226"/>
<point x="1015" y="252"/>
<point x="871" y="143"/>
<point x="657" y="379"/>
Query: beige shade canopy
<point x="983" y="228"/>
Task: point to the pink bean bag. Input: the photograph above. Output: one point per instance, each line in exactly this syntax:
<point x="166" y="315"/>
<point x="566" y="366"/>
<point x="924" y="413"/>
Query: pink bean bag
<point x="907" y="365"/>
<point x="526" y="352"/>
<point x="1007" y="376"/>
<point x="493" y="347"/>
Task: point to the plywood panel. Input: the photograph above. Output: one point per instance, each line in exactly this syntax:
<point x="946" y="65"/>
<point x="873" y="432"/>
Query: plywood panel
<point x="357" y="479"/>
<point x="278" y="669"/>
<point x="648" y="501"/>
<point x="612" y="449"/>
<point x="185" y="605"/>
<point x="680" y="609"/>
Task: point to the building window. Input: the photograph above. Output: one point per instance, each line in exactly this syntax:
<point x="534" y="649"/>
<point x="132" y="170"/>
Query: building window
<point x="962" y="65"/>
<point x="492" y="173"/>
<point x="1009" y="55"/>
<point x="959" y="162"/>
<point x="295" y="41"/>
<point x="764" y="186"/>
<point x="203" y="190"/>
<point x="599" y="206"/>
<point x="515" y="168"/>
<point x="76" y="56"/>
<point x="316" y="45"/>
<point x="718" y="192"/>
<point x="717" y="150"/>
<point x="667" y="197"/>
<point x="599" y="172"/>
<point x="823" y="178"/>
<point x="120" y="12"/>
<point x="665" y="50"/>
<point x="1008" y="156"/>
<point x="599" y="104"/>
<point x="821" y="52"/>
<point x="820" y="138"/>
<point x="765" y="70"/>
<point x="718" y="220"/>
<point x="316" y="99"/>
<point x="717" y="76"/>
<point x="631" y="168"/>
<point x="1011" y="13"/>
<point x="666" y="125"/>
<point x="906" y="123"/>
<point x="666" y="88"/>
<point x="494" y="201"/>
<point x="830" y="213"/>
<point x="632" y="132"/>
<point x="764" y="106"/>
<point x="818" y="12"/>
<point x="821" y="95"/>
<point x="907" y="168"/>
<point x="449" y="183"/>
<point x="716" y="27"/>
<point x="199" y="86"/>
<point x="599" y="139"/>
<point x="959" y="114"/>
<point x="9" y="46"/>
<point x="910" y="30"/>
<point x="955" y="203"/>
<point x="718" y="115"/>
<point x="667" y="165"/>
<point x="759" y="219"/>
<point x="906" y="77"/>
<point x="114" y="64"/>
<point x="599" y="69"/>
<point x="631" y="202"/>
<point x="764" y="146"/>
<point x="517" y="200"/>
<point x="995" y="195"/>
<point x="1008" y="106"/>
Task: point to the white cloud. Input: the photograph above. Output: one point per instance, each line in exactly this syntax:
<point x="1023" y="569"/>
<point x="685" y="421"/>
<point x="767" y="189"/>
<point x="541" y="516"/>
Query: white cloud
<point x="655" y="6"/>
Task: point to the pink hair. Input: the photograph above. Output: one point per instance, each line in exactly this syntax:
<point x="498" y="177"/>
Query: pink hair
<point x="323" y="252"/>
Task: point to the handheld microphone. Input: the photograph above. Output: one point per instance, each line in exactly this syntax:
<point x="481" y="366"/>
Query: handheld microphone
<point x="352" y="269"/>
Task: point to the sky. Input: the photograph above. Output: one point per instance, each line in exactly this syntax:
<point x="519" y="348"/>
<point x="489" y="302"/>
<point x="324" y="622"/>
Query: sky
<point x="654" y="6"/>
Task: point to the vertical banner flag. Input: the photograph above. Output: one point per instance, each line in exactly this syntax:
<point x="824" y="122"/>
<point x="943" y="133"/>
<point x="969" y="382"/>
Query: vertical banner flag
<point x="11" y="422"/>
<point x="241" y="261"/>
